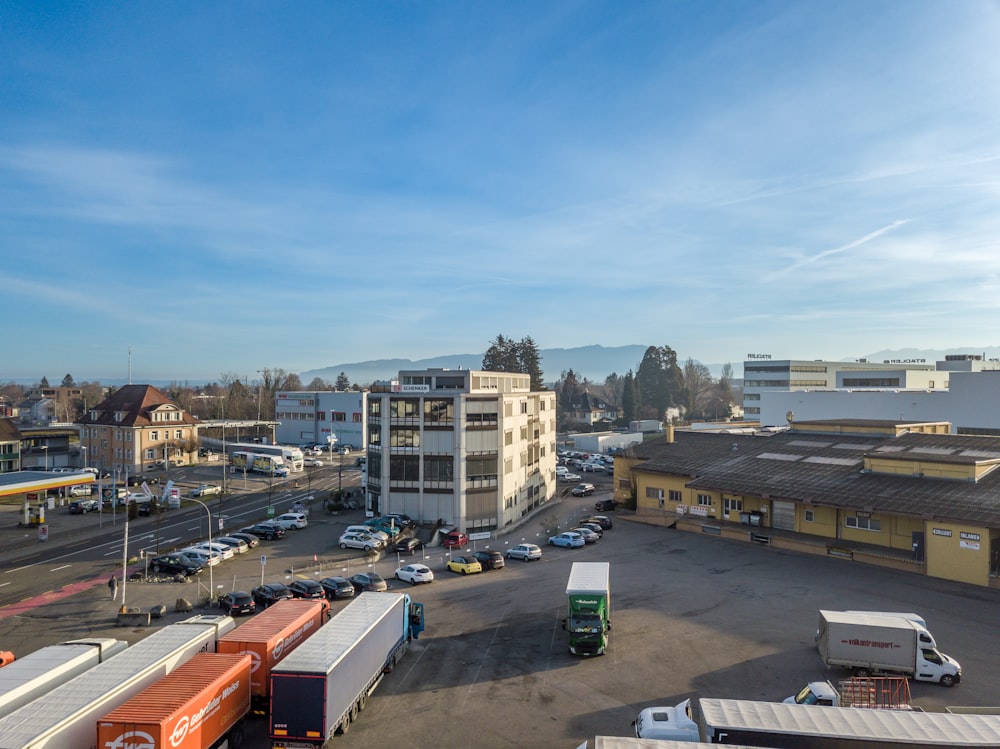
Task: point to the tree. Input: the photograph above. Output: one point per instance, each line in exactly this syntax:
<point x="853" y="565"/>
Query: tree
<point x="44" y="383"/>
<point x="342" y="383"/>
<point x="317" y="384"/>
<point x="659" y="382"/>
<point x="629" y="398"/>
<point x="531" y="362"/>
<point x="568" y="390"/>
<point x="506" y="355"/>
<point x="699" y="389"/>
<point x="67" y="381"/>
<point x="722" y="398"/>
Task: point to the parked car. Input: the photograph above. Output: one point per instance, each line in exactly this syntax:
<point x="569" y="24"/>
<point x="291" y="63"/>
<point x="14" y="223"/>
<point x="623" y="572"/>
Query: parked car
<point x="152" y="507"/>
<point x="368" y="531"/>
<point x="237" y="602"/>
<point x="337" y="587"/>
<point x="402" y="520"/>
<point x="175" y="564"/>
<point x="583" y="490"/>
<point x="490" y="560"/>
<point x="386" y="526"/>
<point x="592" y="468"/>
<point x="306" y="588"/>
<point x="238" y="545"/>
<point x="369" y="582"/>
<point x="605" y="505"/>
<point x="267" y="531"/>
<point x="82" y="506"/>
<point x="415" y="573"/>
<point x="409" y="545"/>
<point x="313" y="462"/>
<point x="201" y="556"/>
<point x="455" y="539"/>
<point x="205" y="490"/>
<point x="226" y="552"/>
<point x="359" y="541"/>
<point x="589" y="537"/>
<point x="524" y="552"/>
<point x="250" y="539"/>
<point x="567" y="539"/>
<point x="464" y="565"/>
<point x="269" y="593"/>
<point x="291" y="520"/>
<point x="344" y="450"/>
<point x="568" y="477"/>
<point x="602" y="520"/>
<point x="81" y="490"/>
<point x="595" y="527"/>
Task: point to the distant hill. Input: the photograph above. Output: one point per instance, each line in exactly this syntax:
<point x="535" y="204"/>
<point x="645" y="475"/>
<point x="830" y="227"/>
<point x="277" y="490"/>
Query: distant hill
<point x="593" y="362"/>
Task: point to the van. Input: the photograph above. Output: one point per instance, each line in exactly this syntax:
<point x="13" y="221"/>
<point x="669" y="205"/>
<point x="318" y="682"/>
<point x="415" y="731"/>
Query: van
<point x="81" y="490"/>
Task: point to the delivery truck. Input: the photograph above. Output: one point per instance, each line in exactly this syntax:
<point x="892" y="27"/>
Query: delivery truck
<point x="65" y="717"/>
<point x="875" y="644"/>
<point x="588" y="594"/>
<point x="271" y="636"/>
<point x="36" y="673"/>
<point x="200" y="705"/>
<point x="321" y="688"/>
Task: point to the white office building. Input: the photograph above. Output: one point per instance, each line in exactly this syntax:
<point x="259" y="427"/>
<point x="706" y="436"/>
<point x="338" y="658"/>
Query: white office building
<point x="476" y="450"/>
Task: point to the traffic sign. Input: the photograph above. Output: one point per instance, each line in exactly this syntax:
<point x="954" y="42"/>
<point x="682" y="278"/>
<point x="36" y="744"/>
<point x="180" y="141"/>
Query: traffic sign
<point x="263" y="558"/>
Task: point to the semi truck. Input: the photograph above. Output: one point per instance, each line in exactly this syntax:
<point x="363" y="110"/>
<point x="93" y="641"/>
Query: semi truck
<point x="257" y="463"/>
<point x="271" y="636"/>
<point x="588" y="594"/>
<point x="874" y="644"/>
<point x="321" y="688"/>
<point x="65" y="717"/>
<point x="36" y="673"/>
<point x="200" y="705"/>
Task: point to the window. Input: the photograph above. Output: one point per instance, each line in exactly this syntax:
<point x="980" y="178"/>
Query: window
<point x="338" y="416"/>
<point x="439" y="411"/>
<point x="673" y="495"/>
<point x="809" y="516"/>
<point x="356" y="417"/>
<point x="654" y="493"/>
<point x="375" y="408"/>
<point x="404" y="468"/>
<point x="404" y="408"/>
<point x="439" y="468"/>
<point x="404" y="437"/>
<point x="732" y="504"/>
<point x="863" y="523"/>
<point x="705" y="500"/>
<point x="154" y="436"/>
<point x="178" y="434"/>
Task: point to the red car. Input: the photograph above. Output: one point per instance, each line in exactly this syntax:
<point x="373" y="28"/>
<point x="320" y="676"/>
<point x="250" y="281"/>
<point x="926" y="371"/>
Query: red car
<point x="454" y="539"/>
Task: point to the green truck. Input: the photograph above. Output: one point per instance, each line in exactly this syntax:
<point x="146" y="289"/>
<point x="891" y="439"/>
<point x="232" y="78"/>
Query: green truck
<point x="589" y="596"/>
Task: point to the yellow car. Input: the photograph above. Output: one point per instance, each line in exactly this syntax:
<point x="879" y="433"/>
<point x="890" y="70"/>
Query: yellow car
<point x="465" y="565"/>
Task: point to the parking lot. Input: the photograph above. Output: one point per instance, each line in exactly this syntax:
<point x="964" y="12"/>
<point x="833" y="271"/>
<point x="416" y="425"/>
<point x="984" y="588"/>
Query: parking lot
<point x="692" y="616"/>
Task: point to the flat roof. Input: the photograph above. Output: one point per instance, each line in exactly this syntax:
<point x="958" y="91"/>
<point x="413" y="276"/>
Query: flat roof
<point x="20" y="482"/>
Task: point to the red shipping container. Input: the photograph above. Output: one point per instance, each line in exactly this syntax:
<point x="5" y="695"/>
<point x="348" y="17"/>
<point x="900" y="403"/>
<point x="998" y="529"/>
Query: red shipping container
<point x="190" y="708"/>
<point x="271" y="635"/>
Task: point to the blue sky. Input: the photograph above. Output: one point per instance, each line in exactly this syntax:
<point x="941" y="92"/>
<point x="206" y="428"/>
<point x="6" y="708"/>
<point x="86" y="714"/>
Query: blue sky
<point x="225" y="187"/>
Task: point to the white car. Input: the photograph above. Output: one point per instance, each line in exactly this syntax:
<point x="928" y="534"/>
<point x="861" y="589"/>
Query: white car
<point x="313" y="462"/>
<point x="526" y="552"/>
<point x="359" y="541"/>
<point x="226" y="552"/>
<point x="415" y="573"/>
<point x="292" y="520"/>
<point x="368" y="531"/>
<point x="568" y="540"/>
<point x="206" y="489"/>
<point x="238" y="545"/>
<point x="569" y="477"/>
<point x="201" y="556"/>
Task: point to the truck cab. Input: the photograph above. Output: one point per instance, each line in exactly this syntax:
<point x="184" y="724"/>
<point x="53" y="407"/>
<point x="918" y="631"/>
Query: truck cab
<point x="667" y="723"/>
<point x="815" y="693"/>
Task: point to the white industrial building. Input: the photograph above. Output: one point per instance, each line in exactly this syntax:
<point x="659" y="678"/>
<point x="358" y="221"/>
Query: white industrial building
<point x="313" y="416"/>
<point x="473" y="449"/>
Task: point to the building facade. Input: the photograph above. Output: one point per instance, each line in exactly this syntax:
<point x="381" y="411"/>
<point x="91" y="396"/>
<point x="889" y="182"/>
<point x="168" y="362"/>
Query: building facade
<point x="313" y="416"/>
<point x="475" y="450"/>
<point x="133" y="428"/>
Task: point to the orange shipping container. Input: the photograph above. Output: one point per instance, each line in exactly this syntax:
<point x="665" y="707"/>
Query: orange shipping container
<point x="191" y="708"/>
<point x="271" y="635"/>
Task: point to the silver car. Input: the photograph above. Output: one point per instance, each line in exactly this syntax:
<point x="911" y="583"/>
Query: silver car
<point x="525" y="552"/>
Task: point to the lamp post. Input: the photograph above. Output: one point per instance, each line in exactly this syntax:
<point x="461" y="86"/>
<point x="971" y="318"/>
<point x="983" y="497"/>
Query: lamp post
<point x="332" y="440"/>
<point x="83" y="456"/>
<point x="46" y="449"/>
<point x="211" y="577"/>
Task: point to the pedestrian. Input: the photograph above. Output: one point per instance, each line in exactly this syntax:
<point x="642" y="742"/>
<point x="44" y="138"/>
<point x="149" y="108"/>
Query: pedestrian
<point x="113" y="586"/>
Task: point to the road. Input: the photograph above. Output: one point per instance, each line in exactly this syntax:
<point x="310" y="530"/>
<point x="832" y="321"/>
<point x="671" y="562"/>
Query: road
<point x="692" y="616"/>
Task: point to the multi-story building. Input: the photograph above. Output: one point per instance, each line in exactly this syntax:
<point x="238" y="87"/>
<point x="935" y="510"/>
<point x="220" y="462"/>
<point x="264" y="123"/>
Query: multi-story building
<point x="313" y="416"/>
<point x="134" y="427"/>
<point x="473" y="449"/>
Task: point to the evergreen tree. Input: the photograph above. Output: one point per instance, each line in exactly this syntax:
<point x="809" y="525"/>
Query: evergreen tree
<point x="67" y="381"/>
<point x="531" y="362"/>
<point x="659" y="381"/>
<point x="629" y="398"/>
<point x="343" y="382"/>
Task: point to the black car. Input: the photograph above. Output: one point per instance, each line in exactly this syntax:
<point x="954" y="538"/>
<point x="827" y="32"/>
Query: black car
<point x="369" y="581"/>
<point x="337" y="587"/>
<point x="305" y="588"/>
<point x="490" y="560"/>
<point x="237" y="602"/>
<point x="409" y="545"/>
<point x="402" y="520"/>
<point x="174" y="564"/>
<point x="602" y="520"/>
<point x="267" y="531"/>
<point x="604" y="505"/>
<point x="269" y="593"/>
<point x="152" y="507"/>
<point x="82" y="506"/>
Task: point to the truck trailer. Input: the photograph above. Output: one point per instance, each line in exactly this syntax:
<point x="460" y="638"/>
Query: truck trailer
<point x="36" y="673"/>
<point x="271" y="636"/>
<point x="874" y="644"/>
<point x="65" y="717"/>
<point x="588" y="593"/>
<point x="201" y="705"/>
<point x="320" y="688"/>
<point x="775" y="724"/>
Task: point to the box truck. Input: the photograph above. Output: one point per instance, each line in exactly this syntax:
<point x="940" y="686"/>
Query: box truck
<point x="322" y="687"/>
<point x="35" y="674"/>
<point x="874" y="644"/>
<point x="65" y="717"/>
<point x="271" y="636"/>
<point x="200" y="705"/>
<point x="588" y="594"/>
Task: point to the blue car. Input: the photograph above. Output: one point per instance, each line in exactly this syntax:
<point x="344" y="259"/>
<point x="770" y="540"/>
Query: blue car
<point x="568" y="540"/>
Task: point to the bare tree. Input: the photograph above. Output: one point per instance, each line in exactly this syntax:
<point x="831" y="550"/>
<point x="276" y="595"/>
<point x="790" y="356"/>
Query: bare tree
<point x="699" y="389"/>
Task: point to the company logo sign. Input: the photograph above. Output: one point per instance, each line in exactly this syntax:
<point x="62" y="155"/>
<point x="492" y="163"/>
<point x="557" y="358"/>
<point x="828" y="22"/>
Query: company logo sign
<point x="132" y="740"/>
<point x="193" y="722"/>
<point x="279" y="647"/>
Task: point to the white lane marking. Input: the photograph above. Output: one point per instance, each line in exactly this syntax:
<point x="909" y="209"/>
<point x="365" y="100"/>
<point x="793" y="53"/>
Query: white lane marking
<point x="65" y="566"/>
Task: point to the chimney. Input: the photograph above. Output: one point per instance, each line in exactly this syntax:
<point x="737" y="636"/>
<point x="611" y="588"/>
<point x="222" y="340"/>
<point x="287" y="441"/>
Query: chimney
<point x="670" y="433"/>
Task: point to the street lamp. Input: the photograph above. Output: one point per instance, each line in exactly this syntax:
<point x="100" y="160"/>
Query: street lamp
<point x="211" y="577"/>
<point x="46" y="449"/>
<point x="83" y="454"/>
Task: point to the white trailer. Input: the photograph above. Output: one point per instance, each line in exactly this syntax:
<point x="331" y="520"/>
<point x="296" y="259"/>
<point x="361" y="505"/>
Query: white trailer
<point x="35" y="674"/>
<point x="321" y="687"/>
<point x="66" y="717"/>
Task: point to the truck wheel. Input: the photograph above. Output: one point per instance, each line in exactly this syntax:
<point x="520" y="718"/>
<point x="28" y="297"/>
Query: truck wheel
<point x="345" y="725"/>
<point x="235" y="737"/>
<point x="363" y="700"/>
<point x="947" y="680"/>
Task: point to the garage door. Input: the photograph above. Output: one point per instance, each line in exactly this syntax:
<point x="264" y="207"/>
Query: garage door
<point x="783" y="515"/>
